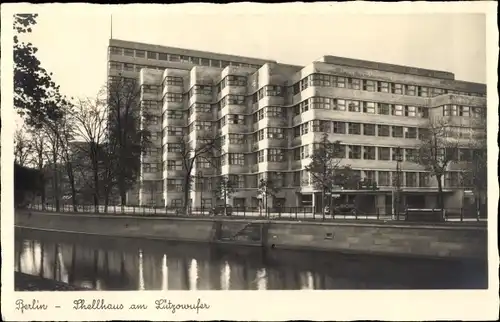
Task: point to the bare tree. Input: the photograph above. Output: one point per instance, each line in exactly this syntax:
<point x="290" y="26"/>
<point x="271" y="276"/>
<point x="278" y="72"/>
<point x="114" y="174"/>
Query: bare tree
<point x="267" y="188"/>
<point x="38" y="159"/>
<point x="327" y="169"/>
<point x="205" y="149"/>
<point x="23" y="147"/>
<point x="439" y="143"/>
<point x="125" y="133"/>
<point x="91" y="119"/>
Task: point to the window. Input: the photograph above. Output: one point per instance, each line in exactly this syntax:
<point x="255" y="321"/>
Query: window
<point x="175" y="115"/>
<point x="354" y="152"/>
<point x="464" y="111"/>
<point x="150" y="89"/>
<point x="155" y="136"/>
<point x="173" y="97"/>
<point x="339" y="127"/>
<point x="162" y="56"/>
<point x="153" y="55"/>
<point x="259" y="115"/>
<point x="384" y="154"/>
<point x="450" y="110"/>
<point x="423" y="91"/>
<point x="303" y="84"/>
<point x="203" y="125"/>
<point x="465" y="155"/>
<point x="205" y="62"/>
<point x="235" y="80"/>
<point x="320" y="80"/>
<point x="354" y="83"/>
<point x="128" y="67"/>
<point x="275" y="112"/>
<point x="452" y="179"/>
<point x="397" y="178"/>
<point x="410" y="90"/>
<point x="369" y="107"/>
<point x="383" y="130"/>
<point x="304" y="106"/>
<point x="273" y="90"/>
<point x="397" y="89"/>
<point x="397" y="154"/>
<point x="369" y="129"/>
<point x="115" y="65"/>
<point x="423" y="133"/>
<point x="411" y="155"/>
<point x="175" y="58"/>
<point x="235" y="99"/>
<point x="150" y="167"/>
<point x="275" y="133"/>
<point x="260" y="156"/>
<point x="275" y="155"/>
<point x="236" y="138"/>
<point x="175" y="185"/>
<point x="340" y="82"/>
<point x="397" y="110"/>
<point x="174" y="131"/>
<point x="172" y="80"/>
<point x="175" y="165"/>
<point x="322" y="126"/>
<point x="384" y="178"/>
<point x="235" y="119"/>
<point x="383" y="87"/>
<point x="340" y="151"/>
<point x="320" y="103"/>
<point x="411" y="132"/>
<point x="236" y="158"/>
<point x="296" y="88"/>
<point x="128" y="52"/>
<point x="153" y="120"/>
<point x="353" y="106"/>
<point x="423" y="112"/>
<point x="411" y="179"/>
<point x="202" y="108"/>
<point x="304" y="151"/>
<point x="423" y="179"/>
<point x="369" y="153"/>
<point x="150" y="105"/>
<point x="339" y="105"/>
<point x="304" y="128"/>
<point x="202" y="90"/>
<point x="437" y="91"/>
<point x="410" y="111"/>
<point x="369" y="85"/>
<point x="224" y="64"/>
<point x="115" y="51"/>
<point x="355" y="128"/>
<point x="140" y="54"/>
<point x="174" y="147"/>
<point x="384" y="109"/>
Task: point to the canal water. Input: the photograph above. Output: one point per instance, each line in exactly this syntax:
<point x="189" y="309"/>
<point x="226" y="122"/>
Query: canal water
<point x="104" y="263"/>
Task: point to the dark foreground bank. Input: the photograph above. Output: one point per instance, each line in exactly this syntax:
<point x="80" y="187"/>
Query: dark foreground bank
<point x="25" y="282"/>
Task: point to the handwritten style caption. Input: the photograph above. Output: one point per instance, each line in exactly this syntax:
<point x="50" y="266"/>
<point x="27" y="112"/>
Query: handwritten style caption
<point x="101" y="305"/>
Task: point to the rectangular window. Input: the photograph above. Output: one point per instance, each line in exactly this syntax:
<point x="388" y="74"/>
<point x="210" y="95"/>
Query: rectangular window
<point x="202" y="90"/>
<point x="411" y="179"/>
<point x="128" y="52"/>
<point x="162" y="56"/>
<point x="411" y="155"/>
<point x="354" y="152"/>
<point x="369" y="153"/>
<point x="437" y="91"/>
<point x="384" y="109"/>
<point x="304" y="151"/>
<point x="236" y="158"/>
<point x="174" y="114"/>
<point x="383" y="130"/>
<point x="235" y="99"/>
<point x="410" y="132"/>
<point x="320" y="103"/>
<point x="235" y="119"/>
<point x="384" y="178"/>
<point x="384" y="154"/>
<point x="369" y="107"/>
<point x="423" y="91"/>
<point x="174" y="165"/>
<point x="260" y="156"/>
<point x="339" y="127"/>
<point x="465" y="155"/>
<point x="339" y="105"/>
<point x="423" y="179"/>
<point x="397" y="131"/>
<point x="369" y="129"/>
<point x="397" y="89"/>
<point x="354" y="83"/>
<point x="275" y="133"/>
<point x="273" y="90"/>
<point x="340" y="82"/>
<point x="275" y="155"/>
<point x="319" y="80"/>
<point x="150" y="89"/>
<point x="464" y="111"/>
<point x="152" y="55"/>
<point x="369" y="85"/>
<point x="202" y="108"/>
<point x="410" y="111"/>
<point x="173" y="97"/>
<point x="115" y="51"/>
<point x="423" y="112"/>
<point x="173" y="80"/>
<point x="275" y="112"/>
<point x="174" y="147"/>
<point x="203" y="126"/>
<point x="383" y="87"/>
<point x="174" y="131"/>
<point x="128" y="67"/>
<point x="236" y="138"/>
<point x="150" y="105"/>
<point x="398" y="110"/>
<point x="175" y="58"/>
<point x="205" y="62"/>
<point x="304" y="128"/>
<point x="355" y="128"/>
<point x="353" y="106"/>
<point x="236" y="80"/>
<point x="410" y="90"/>
<point x="140" y="54"/>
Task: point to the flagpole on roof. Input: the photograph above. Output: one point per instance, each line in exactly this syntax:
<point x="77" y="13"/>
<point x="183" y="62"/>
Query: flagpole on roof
<point x="111" y="26"/>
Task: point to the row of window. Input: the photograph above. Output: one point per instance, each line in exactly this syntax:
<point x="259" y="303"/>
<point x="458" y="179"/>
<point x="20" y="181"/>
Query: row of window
<point x="175" y="58"/>
<point x="325" y="80"/>
<point x="303" y="178"/>
<point x="338" y="104"/>
<point x="464" y="111"/>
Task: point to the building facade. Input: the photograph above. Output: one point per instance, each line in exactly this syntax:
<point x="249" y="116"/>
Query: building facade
<point x="267" y="116"/>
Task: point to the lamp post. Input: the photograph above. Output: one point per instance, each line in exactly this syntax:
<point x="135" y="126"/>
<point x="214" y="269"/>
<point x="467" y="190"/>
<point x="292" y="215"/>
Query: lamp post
<point x="396" y="200"/>
<point x="200" y="178"/>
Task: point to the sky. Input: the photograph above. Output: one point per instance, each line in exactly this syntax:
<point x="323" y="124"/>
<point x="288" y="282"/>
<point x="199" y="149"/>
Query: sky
<point x="73" y="44"/>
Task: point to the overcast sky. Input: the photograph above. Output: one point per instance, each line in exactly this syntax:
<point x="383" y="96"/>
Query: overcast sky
<point x="73" y="44"/>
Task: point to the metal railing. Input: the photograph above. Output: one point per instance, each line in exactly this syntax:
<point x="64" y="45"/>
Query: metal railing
<point x="281" y="213"/>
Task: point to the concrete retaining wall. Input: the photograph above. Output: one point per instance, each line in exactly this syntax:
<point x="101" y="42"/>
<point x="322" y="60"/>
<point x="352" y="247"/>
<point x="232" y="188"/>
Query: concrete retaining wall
<point x="445" y="241"/>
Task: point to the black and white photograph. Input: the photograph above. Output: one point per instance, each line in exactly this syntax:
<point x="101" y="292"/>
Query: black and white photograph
<point x="236" y="148"/>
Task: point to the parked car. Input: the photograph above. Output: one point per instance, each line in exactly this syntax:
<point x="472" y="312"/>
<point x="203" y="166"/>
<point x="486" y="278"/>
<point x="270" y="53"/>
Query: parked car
<point x="219" y="210"/>
<point x="343" y="209"/>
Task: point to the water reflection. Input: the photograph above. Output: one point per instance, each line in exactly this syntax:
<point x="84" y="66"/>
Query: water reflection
<point x="140" y="265"/>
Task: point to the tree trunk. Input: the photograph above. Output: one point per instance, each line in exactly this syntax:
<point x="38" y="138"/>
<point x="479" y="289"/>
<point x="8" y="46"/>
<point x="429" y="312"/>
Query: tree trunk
<point x="323" y="203"/>
<point x="440" y="196"/>
<point x="43" y="194"/>
<point x="96" y="187"/>
<point x="186" y="190"/>
<point x="225" y="201"/>
<point x="71" y="177"/>
<point x="56" y="188"/>
<point x="106" y="200"/>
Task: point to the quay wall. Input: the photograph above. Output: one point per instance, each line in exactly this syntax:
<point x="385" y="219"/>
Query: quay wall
<point x="384" y="238"/>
